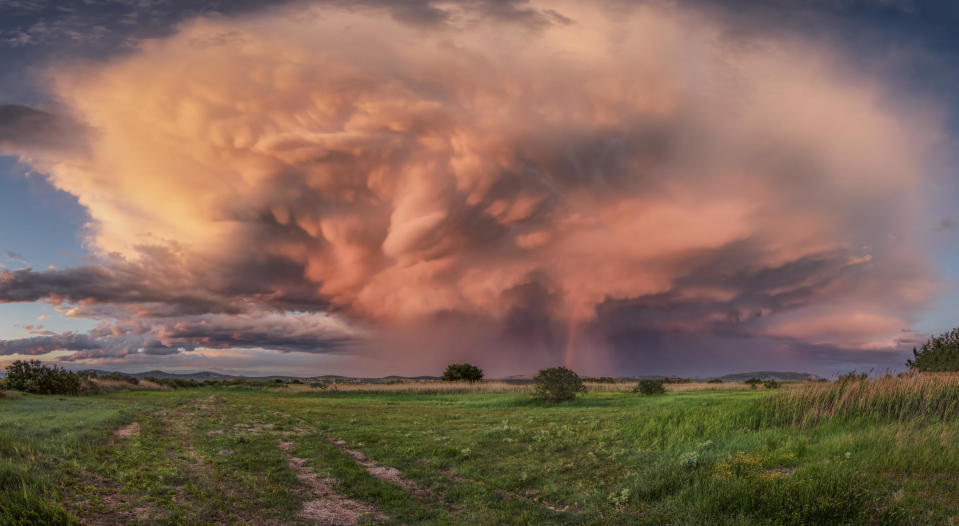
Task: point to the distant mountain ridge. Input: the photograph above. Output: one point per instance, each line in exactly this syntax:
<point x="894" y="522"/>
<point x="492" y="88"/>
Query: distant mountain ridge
<point x="769" y="375"/>
<point x="331" y="378"/>
<point x="208" y="375"/>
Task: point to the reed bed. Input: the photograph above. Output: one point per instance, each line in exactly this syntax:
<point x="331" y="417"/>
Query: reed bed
<point x="437" y="387"/>
<point x="895" y="398"/>
<point x="496" y="386"/>
<point x="107" y="385"/>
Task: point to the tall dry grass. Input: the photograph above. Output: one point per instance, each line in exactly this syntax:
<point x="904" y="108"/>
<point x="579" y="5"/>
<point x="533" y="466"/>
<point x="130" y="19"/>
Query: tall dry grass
<point x="416" y="387"/>
<point x="926" y="395"/>
<point x="494" y="386"/>
<point x="106" y="385"/>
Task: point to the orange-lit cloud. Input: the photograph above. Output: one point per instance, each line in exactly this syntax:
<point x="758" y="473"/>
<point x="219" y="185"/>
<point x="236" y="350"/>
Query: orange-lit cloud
<point x="344" y="160"/>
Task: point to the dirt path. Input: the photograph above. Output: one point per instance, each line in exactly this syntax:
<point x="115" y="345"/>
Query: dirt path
<point x="380" y="471"/>
<point x="323" y="504"/>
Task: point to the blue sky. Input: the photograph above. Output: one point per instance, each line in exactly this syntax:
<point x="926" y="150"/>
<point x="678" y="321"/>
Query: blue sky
<point x="45" y="227"/>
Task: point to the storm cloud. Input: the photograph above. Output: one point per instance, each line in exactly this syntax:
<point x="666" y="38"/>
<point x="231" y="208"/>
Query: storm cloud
<point x="558" y="177"/>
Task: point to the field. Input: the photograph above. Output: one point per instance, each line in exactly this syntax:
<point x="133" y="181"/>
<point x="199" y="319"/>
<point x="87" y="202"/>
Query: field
<point x="879" y="452"/>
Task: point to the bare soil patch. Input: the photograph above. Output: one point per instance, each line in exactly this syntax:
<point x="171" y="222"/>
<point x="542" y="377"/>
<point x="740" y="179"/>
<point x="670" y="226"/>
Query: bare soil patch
<point x="128" y="430"/>
<point x="380" y="471"/>
<point x="324" y="505"/>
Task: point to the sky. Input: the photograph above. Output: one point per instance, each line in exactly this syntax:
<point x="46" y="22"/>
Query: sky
<point x="623" y="187"/>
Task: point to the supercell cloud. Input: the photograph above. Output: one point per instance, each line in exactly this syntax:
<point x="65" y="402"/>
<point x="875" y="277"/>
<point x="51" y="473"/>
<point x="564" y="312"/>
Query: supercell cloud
<point x="620" y="188"/>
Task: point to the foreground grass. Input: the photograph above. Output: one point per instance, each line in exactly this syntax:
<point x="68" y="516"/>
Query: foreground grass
<point x="699" y="457"/>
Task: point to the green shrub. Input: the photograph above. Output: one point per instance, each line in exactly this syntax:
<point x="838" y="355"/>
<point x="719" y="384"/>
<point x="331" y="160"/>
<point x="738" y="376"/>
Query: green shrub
<point x="938" y="354"/>
<point x="462" y="372"/>
<point x="753" y="382"/>
<point x="715" y="381"/>
<point x="557" y="384"/>
<point x="173" y="383"/>
<point x="650" y="387"/>
<point x="771" y="384"/>
<point x="34" y="377"/>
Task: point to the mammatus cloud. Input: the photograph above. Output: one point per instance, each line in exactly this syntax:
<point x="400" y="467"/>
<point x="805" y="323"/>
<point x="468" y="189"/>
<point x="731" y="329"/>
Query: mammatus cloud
<point x="570" y="183"/>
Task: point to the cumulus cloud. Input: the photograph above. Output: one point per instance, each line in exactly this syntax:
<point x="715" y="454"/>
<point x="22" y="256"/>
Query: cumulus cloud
<point x="548" y="173"/>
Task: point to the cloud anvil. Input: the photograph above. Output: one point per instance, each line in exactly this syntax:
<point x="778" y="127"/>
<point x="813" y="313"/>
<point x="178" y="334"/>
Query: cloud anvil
<point x="553" y="183"/>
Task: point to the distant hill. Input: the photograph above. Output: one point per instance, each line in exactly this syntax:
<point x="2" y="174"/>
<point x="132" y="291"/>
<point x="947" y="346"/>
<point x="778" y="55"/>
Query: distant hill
<point x="769" y="375"/>
<point x="517" y="378"/>
<point x="207" y="375"/>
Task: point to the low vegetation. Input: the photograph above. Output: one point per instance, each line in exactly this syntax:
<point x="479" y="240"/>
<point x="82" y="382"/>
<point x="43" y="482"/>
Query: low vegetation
<point x="938" y="354"/>
<point x="35" y="377"/>
<point x="462" y="372"/>
<point x="929" y="396"/>
<point x="558" y="384"/>
<point x="853" y="451"/>
<point x="650" y="387"/>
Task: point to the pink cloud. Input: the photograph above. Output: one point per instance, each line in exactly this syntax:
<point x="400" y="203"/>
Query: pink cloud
<point x="399" y="175"/>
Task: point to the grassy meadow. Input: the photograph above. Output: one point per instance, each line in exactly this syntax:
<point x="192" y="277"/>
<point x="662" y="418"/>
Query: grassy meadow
<point x="857" y="452"/>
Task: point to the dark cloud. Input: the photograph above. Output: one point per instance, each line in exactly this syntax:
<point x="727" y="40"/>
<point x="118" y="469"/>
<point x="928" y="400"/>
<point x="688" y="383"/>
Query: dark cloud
<point x="290" y="332"/>
<point x="38" y="345"/>
<point x="28" y="130"/>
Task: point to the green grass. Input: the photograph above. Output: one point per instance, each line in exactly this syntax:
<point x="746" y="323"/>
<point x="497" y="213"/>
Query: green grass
<point x="719" y="457"/>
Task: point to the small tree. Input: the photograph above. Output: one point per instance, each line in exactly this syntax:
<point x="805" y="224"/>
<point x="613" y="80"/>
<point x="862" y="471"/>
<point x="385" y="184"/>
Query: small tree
<point x="650" y="387"/>
<point x="459" y="372"/>
<point x="938" y="354"/>
<point x="753" y="382"/>
<point x="557" y="384"/>
<point x="34" y="377"/>
<point x="771" y="384"/>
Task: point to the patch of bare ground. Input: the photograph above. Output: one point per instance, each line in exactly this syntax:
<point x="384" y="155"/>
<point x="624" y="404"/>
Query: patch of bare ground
<point x="387" y="473"/>
<point x="253" y="429"/>
<point x="111" y="506"/>
<point x="323" y="505"/>
<point x="128" y="430"/>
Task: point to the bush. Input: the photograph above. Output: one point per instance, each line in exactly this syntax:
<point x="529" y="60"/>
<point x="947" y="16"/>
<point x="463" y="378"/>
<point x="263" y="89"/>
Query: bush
<point x="939" y="354"/>
<point x="462" y="372"/>
<point x="172" y="383"/>
<point x="650" y="387"/>
<point x="771" y="384"/>
<point x="34" y="377"/>
<point x="715" y="381"/>
<point x="753" y="382"/>
<point x="557" y="384"/>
